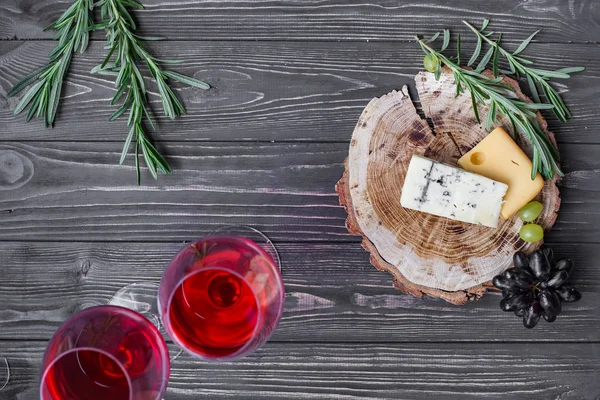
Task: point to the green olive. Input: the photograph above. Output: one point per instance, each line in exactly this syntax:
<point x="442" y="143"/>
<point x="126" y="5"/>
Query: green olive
<point x="531" y="211"/>
<point x="531" y="233"/>
<point x="430" y="62"/>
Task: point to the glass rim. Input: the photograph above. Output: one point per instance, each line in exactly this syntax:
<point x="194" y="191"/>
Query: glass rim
<point x="7" y="366"/>
<point x="91" y="349"/>
<point x="222" y="231"/>
<point x="166" y="360"/>
<point x="172" y="334"/>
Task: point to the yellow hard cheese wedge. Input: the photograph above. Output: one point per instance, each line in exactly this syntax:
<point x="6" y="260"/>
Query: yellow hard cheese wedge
<point x="499" y="158"/>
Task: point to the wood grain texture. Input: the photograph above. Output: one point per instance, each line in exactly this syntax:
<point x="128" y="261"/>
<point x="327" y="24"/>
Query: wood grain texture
<point x="325" y="19"/>
<point x="365" y="371"/>
<point x="77" y="191"/>
<point x="333" y="294"/>
<point x="283" y="91"/>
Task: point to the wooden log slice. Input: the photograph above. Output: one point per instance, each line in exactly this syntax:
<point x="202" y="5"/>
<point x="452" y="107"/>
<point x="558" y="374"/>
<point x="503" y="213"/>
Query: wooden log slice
<point x="426" y="254"/>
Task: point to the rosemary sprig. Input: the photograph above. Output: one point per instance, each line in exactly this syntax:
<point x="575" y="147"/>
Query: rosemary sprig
<point x="73" y="35"/>
<point x="127" y="49"/>
<point x="501" y="100"/>
<point x="520" y="65"/>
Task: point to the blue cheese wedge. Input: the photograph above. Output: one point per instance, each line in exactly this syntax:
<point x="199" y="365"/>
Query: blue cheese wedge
<point x="450" y="192"/>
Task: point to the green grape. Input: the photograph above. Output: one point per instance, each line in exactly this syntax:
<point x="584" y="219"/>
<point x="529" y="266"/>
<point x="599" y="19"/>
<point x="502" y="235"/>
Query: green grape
<point x="531" y="211"/>
<point x="430" y="62"/>
<point x="531" y="233"/>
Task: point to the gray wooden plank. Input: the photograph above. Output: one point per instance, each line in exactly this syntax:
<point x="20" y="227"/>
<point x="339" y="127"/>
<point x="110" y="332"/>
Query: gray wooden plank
<point x="365" y="371"/>
<point x="76" y="191"/>
<point x="80" y="190"/>
<point x="325" y="19"/>
<point x="269" y="90"/>
<point x="333" y="294"/>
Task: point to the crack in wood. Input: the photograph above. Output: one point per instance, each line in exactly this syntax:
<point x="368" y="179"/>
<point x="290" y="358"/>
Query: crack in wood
<point x="455" y="143"/>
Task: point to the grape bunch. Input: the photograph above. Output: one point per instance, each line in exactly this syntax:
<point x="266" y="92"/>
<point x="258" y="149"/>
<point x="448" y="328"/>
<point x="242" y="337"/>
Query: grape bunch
<point x="535" y="286"/>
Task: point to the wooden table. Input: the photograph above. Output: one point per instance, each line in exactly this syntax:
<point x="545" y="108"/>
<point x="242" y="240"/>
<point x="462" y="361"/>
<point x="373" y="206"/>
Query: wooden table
<point x="265" y="147"/>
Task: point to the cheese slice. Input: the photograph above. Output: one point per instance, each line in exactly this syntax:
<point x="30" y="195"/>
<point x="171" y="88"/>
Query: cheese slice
<point x="498" y="157"/>
<point x="450" y="192"/>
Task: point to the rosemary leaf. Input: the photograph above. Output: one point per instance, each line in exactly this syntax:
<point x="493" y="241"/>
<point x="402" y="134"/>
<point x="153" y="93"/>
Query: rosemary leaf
<point x="533" y="89"/>
<point x="549" y="74"/>
<point x="484" y="24"/>
<point x="538" y="106"/>
<point x="446" y="39"/>
<point x="127" y="145"/>
<point x="431" y="39"/>
<point x="150" y="163"/>
<point x="523" y="60"/>
<point x="167" y="61"/>
<point x="53" y="100"/>
<point x="525" y="43"/>
<point x="186" y="79"/>
<point x="150" y="38"/>
<point x="485" y="60"/>
<point x="26" y="81"/>
<point x="475" y="110"/>
<point x="496" y="57"/>
<point x="28" y="97"/>
<point x="125" y="52"/>
<point x="489" y="120"/>
<point x="475" y="53"/>
<point x="73" y="36"/>
<point x="570" y="70"/>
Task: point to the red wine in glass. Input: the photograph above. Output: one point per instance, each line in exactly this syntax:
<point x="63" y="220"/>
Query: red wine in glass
<point x="221" y="297"/>
<point x="105" y="352"/>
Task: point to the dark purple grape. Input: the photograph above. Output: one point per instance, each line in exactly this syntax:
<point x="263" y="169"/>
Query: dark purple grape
<point x="501" y="282"/>
<point x="549" y="253"/>
<point x="520" y="260"/>
<point x="506" y="304"/>
<point x="569" y="294"/>
<point x="550" y="302"/>
<point x="549" y="318"/>
<point x="510" y="273"/>
<point x="520" y="311"/>
<point x="516" y="301"/>
<point x="557" y="280"/>
<point x="525" y="299"/>
<point x="545" y="299"/>
<point x="532" y="314"/>
<point x="523" y="279"/>
<point x="540" y="266"/>
<point x="566" y="264"/>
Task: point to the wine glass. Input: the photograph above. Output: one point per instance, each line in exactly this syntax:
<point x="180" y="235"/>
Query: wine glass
<point x="142" y="296"/>
<point x="222" y="296"/>
<point x="105" y="352"/>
